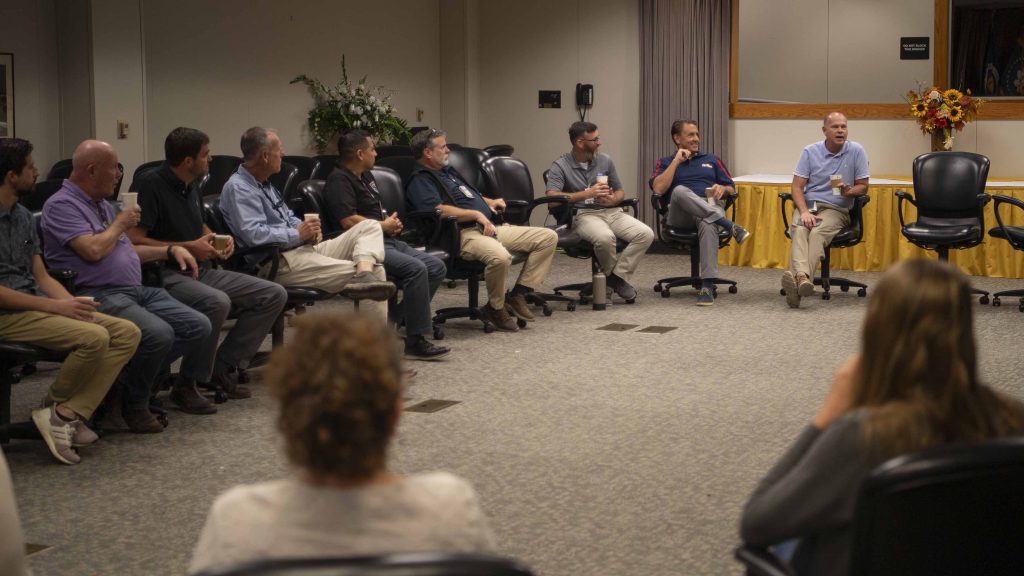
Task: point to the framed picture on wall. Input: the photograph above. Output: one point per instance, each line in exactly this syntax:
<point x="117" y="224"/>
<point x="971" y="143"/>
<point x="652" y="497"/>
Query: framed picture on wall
<point x="6" y="94"/>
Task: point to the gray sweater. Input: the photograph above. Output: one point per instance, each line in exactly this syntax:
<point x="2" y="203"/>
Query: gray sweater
<point x="810" y="494"/>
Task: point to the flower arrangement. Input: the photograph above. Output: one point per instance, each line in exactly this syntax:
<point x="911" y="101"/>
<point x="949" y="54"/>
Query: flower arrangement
<point x="343" y="107"/>
<point x="939" y="111"/>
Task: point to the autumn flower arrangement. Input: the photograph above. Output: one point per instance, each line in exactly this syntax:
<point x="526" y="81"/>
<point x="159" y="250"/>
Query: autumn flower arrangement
<point x="939" y="112"/>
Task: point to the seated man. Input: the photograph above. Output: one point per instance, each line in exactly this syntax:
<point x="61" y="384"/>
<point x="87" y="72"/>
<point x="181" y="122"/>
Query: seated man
<point x="351" y="196"/>
<point x="349" y="264"/>
<point x="696" y="182"/>
<point x="583" y="175"/>
<point x="82" y="233"/>
<point x="819" y="213"/>
<point x="172" y="214"/>
<point x="436" y="185"/>
<point x="36" y="309"/>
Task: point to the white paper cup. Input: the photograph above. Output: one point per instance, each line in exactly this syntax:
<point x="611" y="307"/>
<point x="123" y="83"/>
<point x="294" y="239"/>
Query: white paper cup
<point x="709" y="194"/>
<point x="603" y="179"/>
<point x="835" y="179"/>
<point x="129" y="200"/>
<point x="310" y="216"/>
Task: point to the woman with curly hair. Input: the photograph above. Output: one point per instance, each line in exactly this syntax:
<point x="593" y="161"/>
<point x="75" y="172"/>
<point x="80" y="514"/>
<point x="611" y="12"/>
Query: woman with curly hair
<point x="913" y="385"/>
<point x="338" y="381"/>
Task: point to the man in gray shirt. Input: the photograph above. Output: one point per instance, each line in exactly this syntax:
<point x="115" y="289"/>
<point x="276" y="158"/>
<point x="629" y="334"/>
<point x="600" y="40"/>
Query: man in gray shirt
<point x="589" y="181"/>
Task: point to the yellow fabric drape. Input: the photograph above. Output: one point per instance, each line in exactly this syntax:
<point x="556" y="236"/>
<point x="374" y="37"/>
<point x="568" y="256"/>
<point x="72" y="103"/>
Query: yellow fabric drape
<point x="758" y="210"/>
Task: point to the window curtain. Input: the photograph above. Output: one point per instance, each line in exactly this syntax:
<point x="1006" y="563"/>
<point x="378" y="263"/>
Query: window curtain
<point x="684" y="74"/>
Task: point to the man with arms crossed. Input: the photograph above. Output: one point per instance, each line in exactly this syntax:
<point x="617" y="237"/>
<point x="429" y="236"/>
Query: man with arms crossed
<point x="819" y="214"/>
<point x="351" y="196"/>
<point x="36" y="309"/>
<point x="688" y="177"/>
<point x="585" y="176"/>
<point x="172" y="214"/>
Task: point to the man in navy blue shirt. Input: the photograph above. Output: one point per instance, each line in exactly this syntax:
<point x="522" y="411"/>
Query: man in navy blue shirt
<point x="692" y="183"/>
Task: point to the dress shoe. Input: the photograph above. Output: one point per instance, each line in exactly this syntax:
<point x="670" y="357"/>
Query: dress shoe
<point x="190" y="401"/>
<point x="142" y="421"/>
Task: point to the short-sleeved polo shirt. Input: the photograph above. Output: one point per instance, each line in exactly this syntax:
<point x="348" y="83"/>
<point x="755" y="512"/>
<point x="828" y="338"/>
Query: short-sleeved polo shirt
<point x="817" y="164"/>
<point x="171" y="211"/>
<point x="700" y="172"/>
<point x="346" y="194"/>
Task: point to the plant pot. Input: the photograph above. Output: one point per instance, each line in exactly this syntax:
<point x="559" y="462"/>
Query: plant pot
<point x="938" y="141"/>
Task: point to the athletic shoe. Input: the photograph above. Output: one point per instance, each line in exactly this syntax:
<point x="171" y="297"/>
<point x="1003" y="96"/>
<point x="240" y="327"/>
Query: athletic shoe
<point x="621" y="287"/>
<point x="789" y="286"/>
<point x="804" y="286"/>
<point x="57" y="433"/>
<point x="83" y="436"/>
<point x="740" y="233"/>
<point x="366" y="286"/>
<point x="706" y="297"/>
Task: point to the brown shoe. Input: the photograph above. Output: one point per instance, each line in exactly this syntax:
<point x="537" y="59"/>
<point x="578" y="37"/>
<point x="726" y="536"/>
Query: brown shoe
<point x="804" y="286"/>
<point x="190" y="401"/>
<point x="142" y="421"/>
<point x="499" y="318"/>
<point x="517" y="306"/>
<point x="231" y="388"/>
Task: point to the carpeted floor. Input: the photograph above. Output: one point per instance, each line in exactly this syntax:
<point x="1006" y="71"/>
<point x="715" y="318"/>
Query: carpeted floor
<point x="594" y="452"/>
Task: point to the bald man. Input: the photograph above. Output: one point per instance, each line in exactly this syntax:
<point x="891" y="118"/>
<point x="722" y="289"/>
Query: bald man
<point x="82" y="232"/>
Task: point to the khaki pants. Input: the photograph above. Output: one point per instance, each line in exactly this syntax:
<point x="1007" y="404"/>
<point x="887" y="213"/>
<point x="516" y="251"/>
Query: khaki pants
<point x="538" y="243"/>
<point x="603" y="228"/>
<point x="808" y="245"/>
<point x="331" y="264"/>
<point x="98" y="352"/>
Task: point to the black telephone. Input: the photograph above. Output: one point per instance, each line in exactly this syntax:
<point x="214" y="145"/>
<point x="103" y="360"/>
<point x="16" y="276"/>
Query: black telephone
<point x="584" y="95"/>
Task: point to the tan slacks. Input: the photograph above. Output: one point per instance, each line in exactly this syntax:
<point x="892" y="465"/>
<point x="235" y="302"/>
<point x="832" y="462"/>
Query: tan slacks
<point x="603" y="227"/>
<point x="98" y="352"/>
<point x="538" y="243"/>
<point x="808" y="245"/>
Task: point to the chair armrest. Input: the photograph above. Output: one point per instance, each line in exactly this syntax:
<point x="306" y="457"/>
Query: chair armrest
<point x="238" y="263"/>
<point x="902" y="195"/>
<point x="761" y="562"/>
<point x="785" y="197"/>
<point x="997" y="201"/>
<point x="65" y="277"/>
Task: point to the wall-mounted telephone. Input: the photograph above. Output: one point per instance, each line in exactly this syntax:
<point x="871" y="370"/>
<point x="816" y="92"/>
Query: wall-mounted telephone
<point x="584" y="95"/>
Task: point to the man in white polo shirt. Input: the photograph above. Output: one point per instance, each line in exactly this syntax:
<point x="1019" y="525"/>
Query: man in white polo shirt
<point x="819" y="213"/>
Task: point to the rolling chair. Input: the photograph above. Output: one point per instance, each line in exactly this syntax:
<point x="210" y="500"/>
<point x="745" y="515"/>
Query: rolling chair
<point x="847" y="237"/>
<point x="388" y="150"/>
<point x="60" y="170"/>
<point x="41" y="193"/>
<point x="221" y="168"/>
<point x="499" y="150"/>
<point x="145" y="167"/>
<point x="1012" y="234"/>
<point x="688" y="237"/>
<point x="403" y="165"/>
<point x="469" y="162"/>
<point x="408" y="564"/>
<point x="946" y="510"/>
<point x="325" y="164"/>
<point x="286" y="180"/>
<point x="950" y="201"/>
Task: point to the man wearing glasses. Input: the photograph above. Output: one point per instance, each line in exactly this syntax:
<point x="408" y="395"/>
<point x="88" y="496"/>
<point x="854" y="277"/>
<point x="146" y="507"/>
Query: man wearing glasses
<point x="589" y="181"/>
<point x="349" y="264"/>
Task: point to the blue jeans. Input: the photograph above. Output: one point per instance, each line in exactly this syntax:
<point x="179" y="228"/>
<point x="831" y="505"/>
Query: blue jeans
<point x="169" y="328"/>
<point x="418" y="275"/>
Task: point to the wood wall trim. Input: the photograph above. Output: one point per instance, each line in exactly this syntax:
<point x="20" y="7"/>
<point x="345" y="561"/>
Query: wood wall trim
<point x="817" y="111"/>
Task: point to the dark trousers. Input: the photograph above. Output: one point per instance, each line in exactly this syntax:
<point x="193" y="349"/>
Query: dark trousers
<point x="418" y="275"/>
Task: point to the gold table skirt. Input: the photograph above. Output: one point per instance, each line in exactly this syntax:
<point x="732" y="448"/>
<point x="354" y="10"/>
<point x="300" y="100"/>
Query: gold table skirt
<point x="758" y="210"/>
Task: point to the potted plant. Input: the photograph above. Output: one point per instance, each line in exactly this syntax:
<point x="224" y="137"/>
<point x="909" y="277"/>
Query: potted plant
<point x="939" y="112"/>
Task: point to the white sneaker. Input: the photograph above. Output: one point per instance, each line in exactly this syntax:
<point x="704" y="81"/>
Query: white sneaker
<point x="83" y="436"/>
<point x="57" y="433"/>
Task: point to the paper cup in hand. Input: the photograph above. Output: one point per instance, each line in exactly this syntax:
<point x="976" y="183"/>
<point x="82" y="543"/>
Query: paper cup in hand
<point x="312" y="216"/>
<point x="129" y="200"/>
<point x="836" y="179"/>
<point x="602" y="179"/>
<point x="220" y="242"/>
<point x="709" y="194"/>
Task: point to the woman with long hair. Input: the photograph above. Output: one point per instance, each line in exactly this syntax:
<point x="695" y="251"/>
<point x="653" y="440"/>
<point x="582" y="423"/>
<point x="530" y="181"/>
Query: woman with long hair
<point x="913" y="385"/>
<point x="338" y="381"/>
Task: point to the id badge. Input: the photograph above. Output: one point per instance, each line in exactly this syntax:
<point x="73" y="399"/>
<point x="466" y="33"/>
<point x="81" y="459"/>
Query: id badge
<point x="465" y="191"/>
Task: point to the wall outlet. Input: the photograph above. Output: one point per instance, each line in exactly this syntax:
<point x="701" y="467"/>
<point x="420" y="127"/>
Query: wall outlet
<point x="122" y="129"/>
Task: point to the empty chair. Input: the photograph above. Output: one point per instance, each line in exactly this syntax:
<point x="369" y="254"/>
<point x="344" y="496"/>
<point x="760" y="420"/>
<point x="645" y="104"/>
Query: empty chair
<point x="949" y="194"/>
<point x="1012" y="234"/>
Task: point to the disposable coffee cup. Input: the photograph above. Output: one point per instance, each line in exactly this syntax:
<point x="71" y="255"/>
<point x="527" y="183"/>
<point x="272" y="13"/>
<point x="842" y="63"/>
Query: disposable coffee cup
<point x="709" y="194"/>
<point x="602" y="179"/>
<point x="220" y="242"/>
<point x="311" y="216"/>
<point x="129" y="200"/>
<point x="836" y="179"/>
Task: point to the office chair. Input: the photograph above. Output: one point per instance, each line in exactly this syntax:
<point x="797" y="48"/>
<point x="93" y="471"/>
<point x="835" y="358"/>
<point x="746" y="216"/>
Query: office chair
<point x="286" y="180"/>
<point x="41" y="192"/>
<point x="950" y="201"/>
<point x="221" y="169"/>
<point x="469" y="163"/>
<point x="499" y="150"/>
<point x="1012" y="234"/>
<point x="145" y="167"/>
<point x="690" y="239"/>
<point x="389" y="150"/>
<point x="403" y="165"/>
<point x="408" y="564"/>
<point x="847" y="237"/>
<point x="325" y="164"/>
<point x="947" y="510"/>
<point x="60" y="170"/>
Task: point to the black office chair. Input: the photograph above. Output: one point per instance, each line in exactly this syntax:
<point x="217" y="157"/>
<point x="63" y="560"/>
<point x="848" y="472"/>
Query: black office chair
<point x="221" y="169"/>
<point x="499" y="150"/>
<point x="389" y="150"/>
<point x="950" y="201"/>
<point x="849" y="236"/>
<point x="410" y="564"/>
<point x="286" y="180"/>
<point x="1012" y="234"/>
<point x="469" y="162"/>
<point x="60" y="170"/>
<point x="325" y="164"/>
<point x="40" y="193"/>
<point x="305" y="164"/>
<point x="947" y="510"/>
<point x="688" y="238"/>
<point x="145" y="167"/>
<point x="403" y="165"/>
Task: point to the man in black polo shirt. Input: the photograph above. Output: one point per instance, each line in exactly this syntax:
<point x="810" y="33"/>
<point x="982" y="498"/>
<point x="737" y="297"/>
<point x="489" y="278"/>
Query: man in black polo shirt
<point x="172" y="213"/>
<point x="351" y="196"/>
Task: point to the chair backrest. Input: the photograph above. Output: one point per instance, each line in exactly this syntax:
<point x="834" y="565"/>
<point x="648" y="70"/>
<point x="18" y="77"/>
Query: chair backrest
<point x="325" y="164"/>
<point x="146" y="167"/>
<point x="389" y="185"/>
<point x="221" y="168"/>
<point x="286" y="180"/>
<point x="947" y="184"/>
<point x="404" y="165"/>
<point x="509" y="178"/>
<point x="499" y="150"/>
<point x="469" y="162"/>
<point x="311" y="201"/>
<point x="60" y="170"/>
<point x="41" y="192"/>
<point x="388" y="150"/>
<point x="305" y="164"/>
<point x="949" y="510"/>
<point x="416" y="564"/>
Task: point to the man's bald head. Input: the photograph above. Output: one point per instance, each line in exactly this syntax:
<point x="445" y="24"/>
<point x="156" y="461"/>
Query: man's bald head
<point x="94" y="168"/>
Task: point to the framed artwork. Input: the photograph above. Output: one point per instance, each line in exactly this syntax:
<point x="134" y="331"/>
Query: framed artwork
<point x="6" y="94"/>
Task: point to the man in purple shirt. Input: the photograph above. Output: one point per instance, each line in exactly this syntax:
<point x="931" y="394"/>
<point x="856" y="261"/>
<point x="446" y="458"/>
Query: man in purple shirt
<point x="81" y="232"/>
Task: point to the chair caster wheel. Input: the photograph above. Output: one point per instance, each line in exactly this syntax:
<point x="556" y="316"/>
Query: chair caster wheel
<point x="488" y="328"/>
<point x="631" y="301"/>
<point x="520" y="322"/>
<point x="548" y="311"/>
<point x="844" y="287"/>
<point x="733" y="289"/>
<point x="996" y="302"/>
<point x="1021" y="306"/>
<point x="782" y="292"/>
<point x="983" y="300"/>
<point x="438" y="333"/>
<point x="665" y="293"/>
<point x="451" y="283"/>
<point x="862" y="292"/>
<point x="219" y="396"/>
<point x="584" y="300"/>
<point x="162" y="419"/>
<point x="570" y="307"/>
<point x="826" y="296"/>
<point x="657" y="287"/>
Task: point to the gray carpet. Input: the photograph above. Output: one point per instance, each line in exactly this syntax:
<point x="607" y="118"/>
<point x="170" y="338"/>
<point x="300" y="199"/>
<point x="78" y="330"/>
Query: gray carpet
<point x="594" y="452"/>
